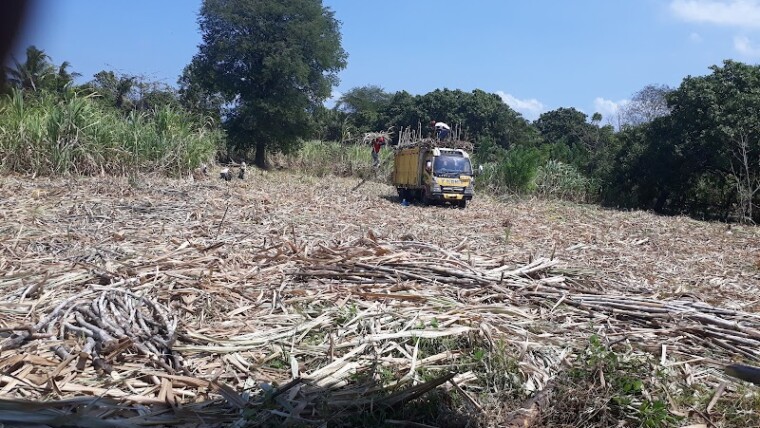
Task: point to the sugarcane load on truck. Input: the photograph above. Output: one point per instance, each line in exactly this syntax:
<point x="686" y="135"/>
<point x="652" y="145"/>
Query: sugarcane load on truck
<point x="436" y="169"/>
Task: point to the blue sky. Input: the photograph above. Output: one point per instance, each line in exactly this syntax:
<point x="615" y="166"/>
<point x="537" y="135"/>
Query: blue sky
<point x="538" y="55"/>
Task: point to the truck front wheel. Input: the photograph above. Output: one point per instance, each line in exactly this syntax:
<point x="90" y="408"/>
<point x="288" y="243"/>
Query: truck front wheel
<point x="425" y="198"/>
<point x="462" y="203"/>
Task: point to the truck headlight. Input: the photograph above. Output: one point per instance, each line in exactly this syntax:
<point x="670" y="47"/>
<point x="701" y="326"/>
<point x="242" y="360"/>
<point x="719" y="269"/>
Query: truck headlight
<point x="436" y="188"/>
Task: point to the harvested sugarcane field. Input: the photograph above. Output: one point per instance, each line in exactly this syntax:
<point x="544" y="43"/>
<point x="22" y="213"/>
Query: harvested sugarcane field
<point x="422" y="214"/>
<point x="287" y="299"/>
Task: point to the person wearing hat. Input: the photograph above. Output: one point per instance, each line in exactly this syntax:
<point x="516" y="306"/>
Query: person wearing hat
<point x="441" y="130"/>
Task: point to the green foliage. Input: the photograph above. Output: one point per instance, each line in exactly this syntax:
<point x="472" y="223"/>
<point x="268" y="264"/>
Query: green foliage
<point x="403" y="110"/>
<point x="555" y="179"/>
<point x="346" y="314"/>
<point x="362" y="106"/>
<point x="638" y="170"/>
<point x="196" y="99"/>
<point x="272" y="63"/>
<point x="486" y="151"/>
<point x="37" y="73"/>
<point x="716" y="119"/>
<point x="741" y="412"/>
<point x="127" y="92"/>
<point x="63" y="79"/>
<point x="510" y="171"/>
<point x="703" y="158"/>
<point x="479" y="115"/>
<point x="45" y="134"/>
<point x="495" y="365"/>
<point x="570" y="139"/>
<point x="335" y="125"/>
<point x="563" y="125"/>
<point x="605" y="387"/>
<point x="320" y="158"/>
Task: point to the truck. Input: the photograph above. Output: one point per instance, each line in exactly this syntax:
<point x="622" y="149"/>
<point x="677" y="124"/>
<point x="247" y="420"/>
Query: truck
<point x="433" y="171"/>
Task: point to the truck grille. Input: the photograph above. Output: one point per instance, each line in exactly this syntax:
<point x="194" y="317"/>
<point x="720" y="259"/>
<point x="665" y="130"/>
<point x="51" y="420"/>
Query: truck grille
<point x="452" y="189"/>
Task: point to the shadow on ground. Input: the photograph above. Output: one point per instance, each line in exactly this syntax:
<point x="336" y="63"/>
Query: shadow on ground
<point x="296" y="403"/>
<point x="395" y="199"/>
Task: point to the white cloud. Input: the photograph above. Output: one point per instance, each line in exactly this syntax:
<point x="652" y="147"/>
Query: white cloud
<point x="734" y="13"/>
<point x="529" y="108"/>
<point x="609" y="108"/>
<point x="745" y="47"/>
<point x="695" y="38"/>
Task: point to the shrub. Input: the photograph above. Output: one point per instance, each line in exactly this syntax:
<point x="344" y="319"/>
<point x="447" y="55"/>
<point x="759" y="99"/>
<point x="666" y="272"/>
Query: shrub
<point x="513" y="171"/>
<point x="322" y="158"/>
<point x="558" y="180"/>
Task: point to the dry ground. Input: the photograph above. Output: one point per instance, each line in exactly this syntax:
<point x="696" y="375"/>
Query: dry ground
<point x="271" y="279"/>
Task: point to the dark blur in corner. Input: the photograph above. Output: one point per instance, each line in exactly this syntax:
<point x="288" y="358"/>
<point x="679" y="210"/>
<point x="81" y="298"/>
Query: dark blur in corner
<point x="13" y="14"/>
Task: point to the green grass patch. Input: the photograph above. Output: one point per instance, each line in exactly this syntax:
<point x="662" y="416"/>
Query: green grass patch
<point x="323" y="158"/>
<point x="558" y="180"/>
<point x="51" y="134"/>
<point x="605" y="387"/>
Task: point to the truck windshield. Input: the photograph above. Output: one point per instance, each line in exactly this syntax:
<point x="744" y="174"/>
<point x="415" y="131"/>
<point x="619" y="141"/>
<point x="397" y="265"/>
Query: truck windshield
<point x="451" y="166"/>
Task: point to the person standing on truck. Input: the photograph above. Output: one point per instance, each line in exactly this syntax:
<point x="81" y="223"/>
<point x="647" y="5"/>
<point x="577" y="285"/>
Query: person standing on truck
<point x="377" y="143"/>
<point x="441" y="131"/>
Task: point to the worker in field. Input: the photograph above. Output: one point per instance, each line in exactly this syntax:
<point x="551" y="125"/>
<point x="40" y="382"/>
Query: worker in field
<point x="442" y="130"/>
<point x="377" y="143"/>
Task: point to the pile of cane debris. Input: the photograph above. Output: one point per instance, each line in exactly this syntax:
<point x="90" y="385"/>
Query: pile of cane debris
<point x="252" y="328"/>
<point x="326" y="312"/>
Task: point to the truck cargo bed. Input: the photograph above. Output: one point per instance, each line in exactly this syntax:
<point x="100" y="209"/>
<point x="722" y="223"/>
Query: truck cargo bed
<point x="407" y="167"/>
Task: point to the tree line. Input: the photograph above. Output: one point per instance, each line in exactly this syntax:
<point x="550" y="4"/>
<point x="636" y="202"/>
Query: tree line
<point x="693" y="149"/>
<point x="38" y="74"/>
<point x="264" y="70"/>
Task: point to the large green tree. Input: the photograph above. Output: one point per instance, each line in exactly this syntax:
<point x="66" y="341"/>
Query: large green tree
<point x="370" y="98"/>
<point x="361" y="107"/>
<point x="717" y="122"/>
<point x="273" y="63"/>
<point x="564" y="125"/>
<point x="700" y="154"/>
<point x="569" y="137"/>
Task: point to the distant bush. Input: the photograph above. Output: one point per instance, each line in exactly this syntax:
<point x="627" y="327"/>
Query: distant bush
<point x="558" y="180"/>
<point x="46" y="134"/>
<point x="323" y="158"/>
<point x="511" y="171"/>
